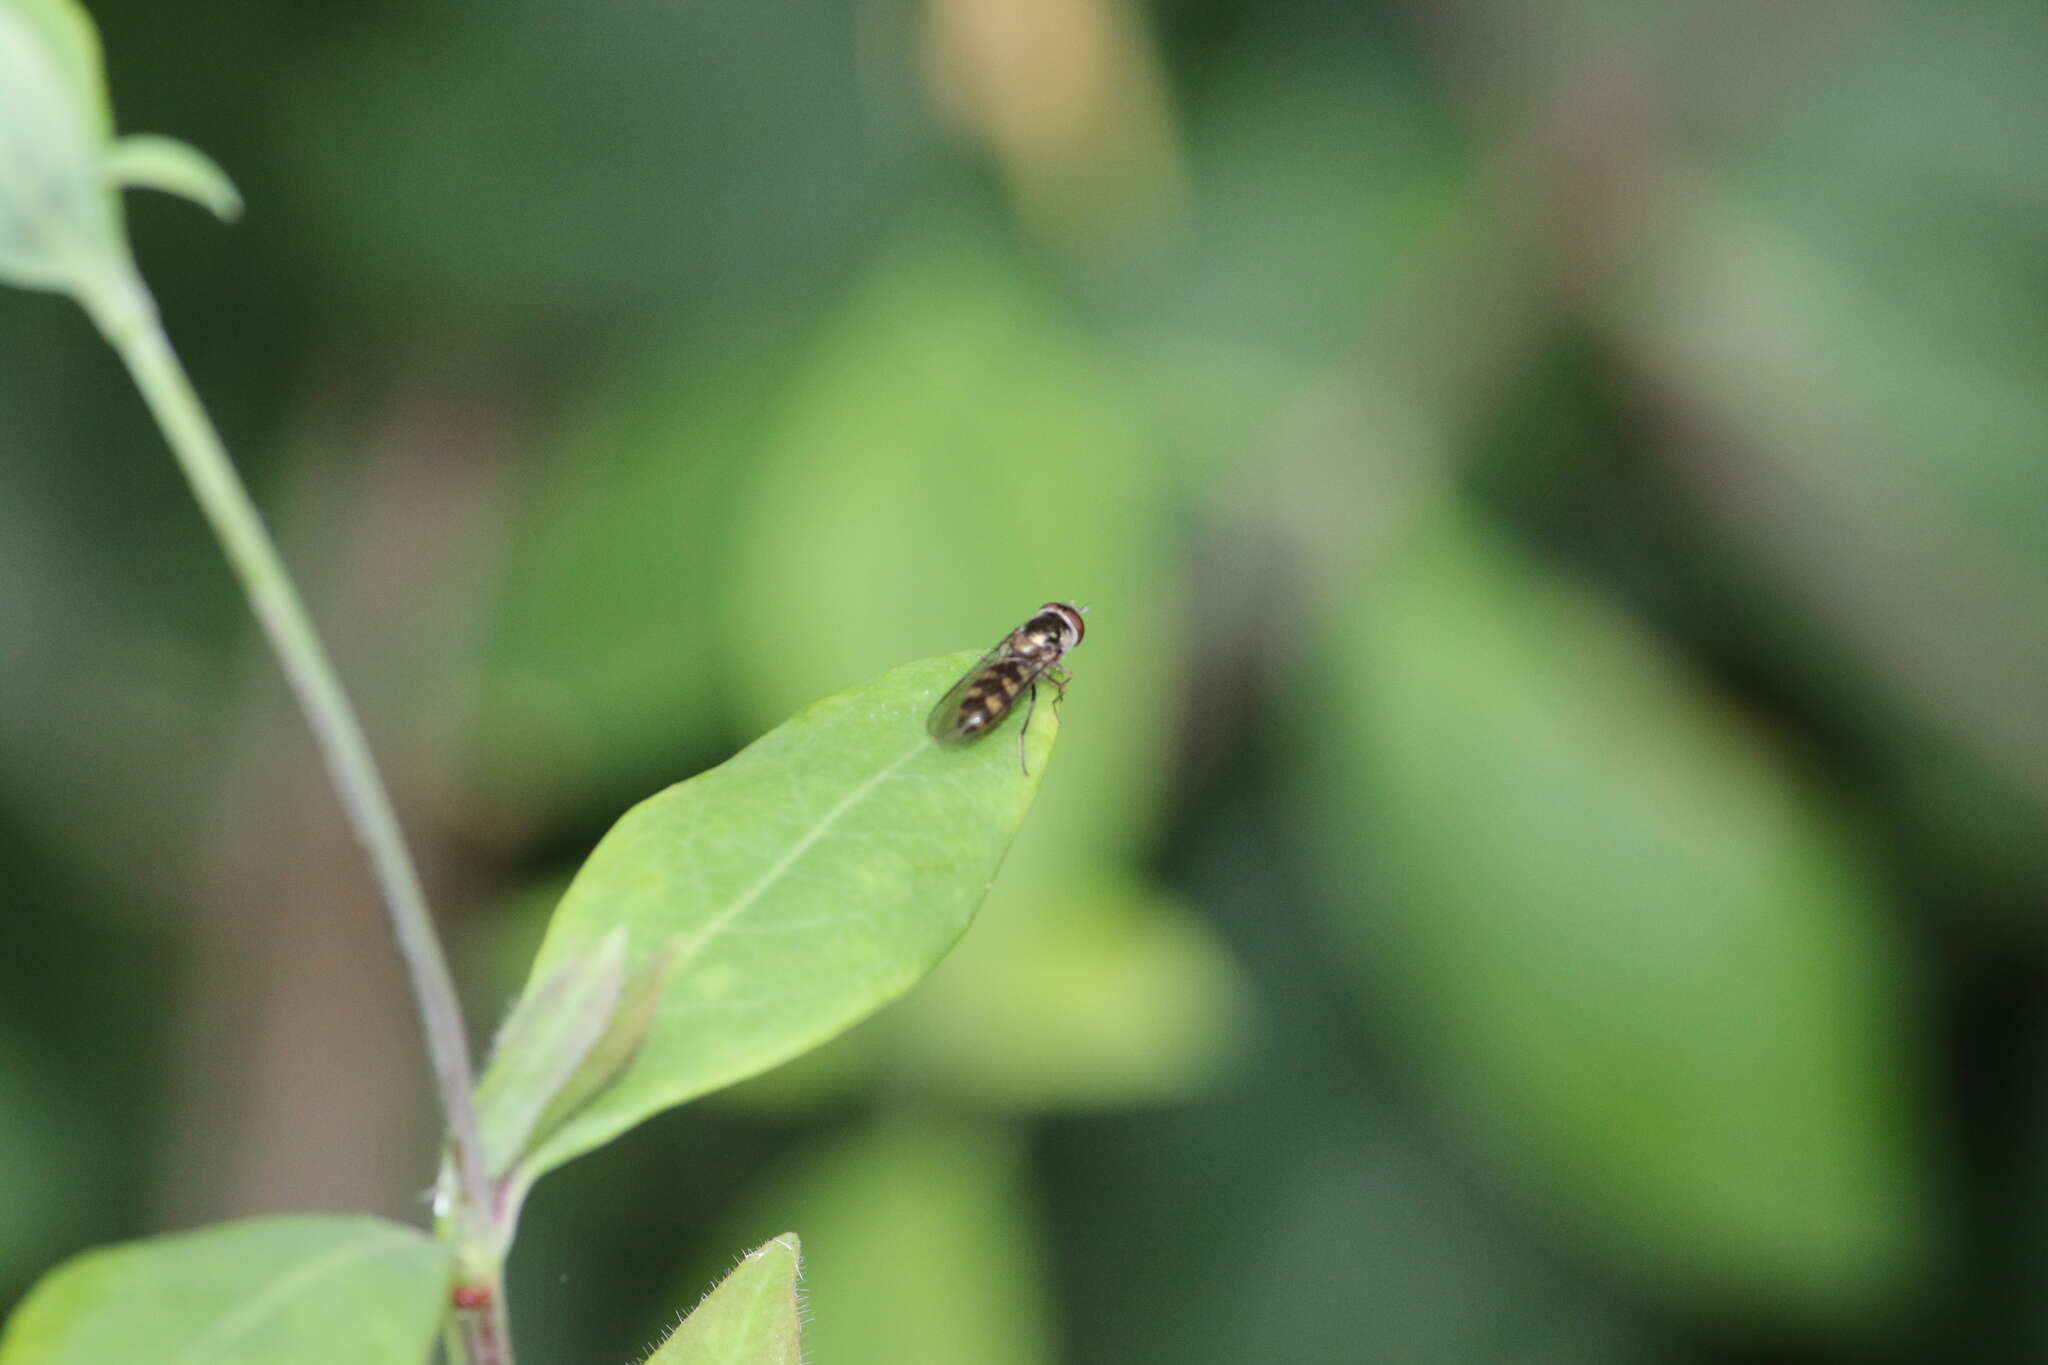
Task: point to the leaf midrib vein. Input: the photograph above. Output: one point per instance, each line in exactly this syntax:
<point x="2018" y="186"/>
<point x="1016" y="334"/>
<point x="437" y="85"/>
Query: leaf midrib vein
<point x="719" y="922"/>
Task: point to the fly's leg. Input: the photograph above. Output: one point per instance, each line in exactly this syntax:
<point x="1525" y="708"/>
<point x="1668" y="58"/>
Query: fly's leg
<point x="1025" y="729"/>
<point x="1058" y="678"/>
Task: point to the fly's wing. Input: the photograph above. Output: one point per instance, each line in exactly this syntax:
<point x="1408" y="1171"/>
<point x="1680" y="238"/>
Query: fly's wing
<point x="947" y="721"/>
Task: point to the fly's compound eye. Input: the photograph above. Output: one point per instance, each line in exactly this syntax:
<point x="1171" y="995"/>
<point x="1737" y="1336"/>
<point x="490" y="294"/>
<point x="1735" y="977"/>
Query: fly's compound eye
<point x="1070" y="616"/>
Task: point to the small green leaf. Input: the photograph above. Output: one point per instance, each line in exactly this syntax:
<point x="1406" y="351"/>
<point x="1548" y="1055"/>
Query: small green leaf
<point x="146" y="161"/>
<point x="625" y="1032"/>
<point x="68" y="35"/>
<point x="58" y="225"/>
<point x="924" y="1248"/>
<point x="750" y="1319"/>
<point x="301" y="1290"/>
<point x="810" y="880"/>
<point x="543" y="1045"/>
<point x="60" y="211"/>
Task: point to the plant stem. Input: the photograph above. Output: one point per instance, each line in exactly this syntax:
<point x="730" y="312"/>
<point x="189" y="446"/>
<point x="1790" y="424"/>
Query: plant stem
<point x="127" y="316"/>
<point x="478" y="1332"/>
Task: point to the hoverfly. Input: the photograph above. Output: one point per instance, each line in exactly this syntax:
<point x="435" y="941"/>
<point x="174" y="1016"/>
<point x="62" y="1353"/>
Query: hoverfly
<point x="979" y="702"/>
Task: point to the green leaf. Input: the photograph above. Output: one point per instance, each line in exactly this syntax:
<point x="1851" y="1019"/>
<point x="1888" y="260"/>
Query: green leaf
<point x="750" y="1319"/>
<point x="922" y="1245"/>
<point x="68" y="35"/>
<point x="1633" y="955"/>
<point x="543" y="1045"/>
<point x="811" y="879"/>
<point x="301" y="1290"/>
<point x="58" y="225"/>
<point x="146" y="161"/>
<point x="60" y="217"/>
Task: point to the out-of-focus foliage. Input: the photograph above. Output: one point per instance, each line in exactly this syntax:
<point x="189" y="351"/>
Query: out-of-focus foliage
<point x="57" y="217"/>
<point x="1613" y="926"/>
<point x="1546" y="851"/>
<point x="637" y="489"/>
<point x="35" y="1163"/>
<point x="60" y="175"/>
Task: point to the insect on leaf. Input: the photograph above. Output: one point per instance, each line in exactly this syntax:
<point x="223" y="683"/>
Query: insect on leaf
<point x="800" y="886"/>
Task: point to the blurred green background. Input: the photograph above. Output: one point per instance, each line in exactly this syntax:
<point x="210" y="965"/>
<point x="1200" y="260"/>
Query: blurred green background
<point x="1545" y="861"/>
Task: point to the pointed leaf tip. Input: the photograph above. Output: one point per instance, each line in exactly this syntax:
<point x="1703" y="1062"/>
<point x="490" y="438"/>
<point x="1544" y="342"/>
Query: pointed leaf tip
<point x="148" y="162"/>
<point x="751" y="1318"/>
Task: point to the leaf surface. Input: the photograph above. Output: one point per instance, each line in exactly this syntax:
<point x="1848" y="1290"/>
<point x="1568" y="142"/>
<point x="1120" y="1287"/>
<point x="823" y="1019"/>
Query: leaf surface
<point x="299" y="1290"/>
<point x="57" y="222"/>
<point x="68" y="34"/>
<point x="750" y="1319"/>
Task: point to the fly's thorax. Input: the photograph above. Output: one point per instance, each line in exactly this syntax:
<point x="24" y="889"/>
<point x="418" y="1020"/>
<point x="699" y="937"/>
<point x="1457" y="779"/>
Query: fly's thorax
<point x="1051" y="633"/>
<point x="1039" y="642"/>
